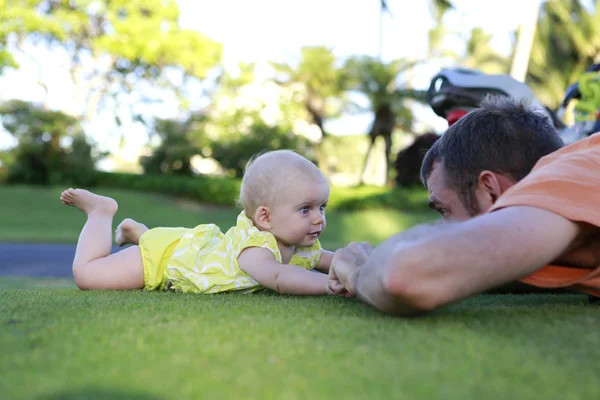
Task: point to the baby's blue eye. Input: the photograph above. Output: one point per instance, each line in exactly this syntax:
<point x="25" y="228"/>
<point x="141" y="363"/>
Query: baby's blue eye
<point x="322" y="208"/>
<point x="304" y="210"/>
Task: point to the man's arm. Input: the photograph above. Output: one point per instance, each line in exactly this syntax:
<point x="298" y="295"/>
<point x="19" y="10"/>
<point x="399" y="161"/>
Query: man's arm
<point x="442" y="264"/>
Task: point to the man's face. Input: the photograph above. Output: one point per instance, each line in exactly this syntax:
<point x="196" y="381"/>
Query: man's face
<point x="444" y="200"/>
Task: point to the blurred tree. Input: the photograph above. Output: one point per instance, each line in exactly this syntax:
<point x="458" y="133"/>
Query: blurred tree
<point x="567" y="41"/>
<point x="113" y="48"/>
<point x="317" y="82"/>
<point x="6" y="58"/>
<point x="178" y="142"/>
<point x="244" y="119"/>
<point x="378" y="82"/>
<point x="248" y="134"/>
<point x="51" y="149"/>
<point x="478" y="53"/>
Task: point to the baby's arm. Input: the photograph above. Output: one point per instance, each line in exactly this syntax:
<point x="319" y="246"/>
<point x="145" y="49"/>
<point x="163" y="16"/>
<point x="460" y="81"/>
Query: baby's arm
<point x="325" y="261"/>
<point x="262" y="266"/>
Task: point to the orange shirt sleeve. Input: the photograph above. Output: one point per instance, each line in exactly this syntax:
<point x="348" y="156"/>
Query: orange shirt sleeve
<point x="567" y="183"/>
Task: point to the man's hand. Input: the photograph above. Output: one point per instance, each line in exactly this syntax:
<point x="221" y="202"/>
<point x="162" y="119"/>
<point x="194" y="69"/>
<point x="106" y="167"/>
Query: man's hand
<point x="345" y="265"/>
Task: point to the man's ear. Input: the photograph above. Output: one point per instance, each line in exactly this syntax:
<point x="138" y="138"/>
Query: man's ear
<point x="262" y="218"/>
<point x="494" y="184"/>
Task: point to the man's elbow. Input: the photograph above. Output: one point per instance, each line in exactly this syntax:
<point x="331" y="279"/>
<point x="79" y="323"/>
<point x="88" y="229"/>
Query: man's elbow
<point x="417" y="292"/>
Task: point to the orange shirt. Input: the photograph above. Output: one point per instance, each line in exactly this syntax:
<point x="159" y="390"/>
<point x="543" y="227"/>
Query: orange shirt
<point x="567" y="183"/>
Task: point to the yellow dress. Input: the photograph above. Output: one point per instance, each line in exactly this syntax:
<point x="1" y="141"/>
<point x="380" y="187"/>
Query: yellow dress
<point x="204" y="260"/>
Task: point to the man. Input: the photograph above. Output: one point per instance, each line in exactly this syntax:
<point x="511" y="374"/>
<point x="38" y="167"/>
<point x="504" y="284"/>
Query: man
<point x="550" y="216"/>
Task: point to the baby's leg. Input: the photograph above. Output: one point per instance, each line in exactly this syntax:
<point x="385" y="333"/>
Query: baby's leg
<point x="94" y="267"/>
<point x="129" y="232"/>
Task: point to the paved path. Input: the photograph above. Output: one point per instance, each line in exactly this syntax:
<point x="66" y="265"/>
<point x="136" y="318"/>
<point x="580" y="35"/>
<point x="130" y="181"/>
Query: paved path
<point x="50" y="260"/>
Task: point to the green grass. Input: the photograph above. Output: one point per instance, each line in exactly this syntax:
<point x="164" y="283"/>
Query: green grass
<point x="59" y="342"/>
<point x="36" y="214"/>
<point x="66" y="343"/>
<point x="22" y="282"/>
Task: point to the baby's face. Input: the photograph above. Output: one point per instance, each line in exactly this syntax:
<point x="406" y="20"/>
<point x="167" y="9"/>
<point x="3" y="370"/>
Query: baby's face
<point x="298" y="219"/>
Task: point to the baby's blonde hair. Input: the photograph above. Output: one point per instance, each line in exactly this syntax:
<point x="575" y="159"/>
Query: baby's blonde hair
<point x="269" y="173"/>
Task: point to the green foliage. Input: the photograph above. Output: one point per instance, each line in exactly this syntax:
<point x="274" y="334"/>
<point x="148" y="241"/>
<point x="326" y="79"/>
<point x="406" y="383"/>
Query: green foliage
<point x="178" y="143"/>
<point x="372" y="197"/>
<point x="566" y="43"/>
<point x="113" y="47"/>
<point x="41" y="157"/>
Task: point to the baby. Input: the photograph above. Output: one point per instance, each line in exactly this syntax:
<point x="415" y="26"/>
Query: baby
<point x="274" y="243"/>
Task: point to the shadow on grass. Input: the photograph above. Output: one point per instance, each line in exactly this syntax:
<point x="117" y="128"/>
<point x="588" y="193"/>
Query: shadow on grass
<point x="99" y="394"/>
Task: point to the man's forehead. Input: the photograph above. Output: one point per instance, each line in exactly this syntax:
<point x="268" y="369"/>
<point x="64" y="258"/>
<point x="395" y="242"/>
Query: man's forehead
<point x="439" y="192"/>
<point x="436" y="181"/>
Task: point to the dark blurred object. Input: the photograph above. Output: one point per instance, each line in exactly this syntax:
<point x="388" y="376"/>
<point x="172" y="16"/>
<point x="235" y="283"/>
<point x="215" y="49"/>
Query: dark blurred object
<point x="408" y="162"/>
<point x="453" y="92"/>
<point x="51" y="146"/>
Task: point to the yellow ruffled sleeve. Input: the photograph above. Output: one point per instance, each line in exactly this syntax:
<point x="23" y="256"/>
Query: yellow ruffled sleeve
<point x="247" y="235"/>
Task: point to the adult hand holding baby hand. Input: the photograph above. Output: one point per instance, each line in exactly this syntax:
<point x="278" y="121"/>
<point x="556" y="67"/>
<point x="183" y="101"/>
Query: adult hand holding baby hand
<point x="345" y="266"/>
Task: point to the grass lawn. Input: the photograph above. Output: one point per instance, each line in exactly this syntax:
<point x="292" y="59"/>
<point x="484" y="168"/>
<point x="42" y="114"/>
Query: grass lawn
<point x="66" y="343"/>
<point x="58" y="342"/>
<point x="36" y="214"/>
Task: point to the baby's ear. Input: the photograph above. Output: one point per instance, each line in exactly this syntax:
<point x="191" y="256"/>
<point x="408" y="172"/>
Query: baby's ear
<point x="262" y="218"/>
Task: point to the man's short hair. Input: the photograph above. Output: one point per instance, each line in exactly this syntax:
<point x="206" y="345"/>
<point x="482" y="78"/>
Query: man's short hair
<point x="502" y="135"/>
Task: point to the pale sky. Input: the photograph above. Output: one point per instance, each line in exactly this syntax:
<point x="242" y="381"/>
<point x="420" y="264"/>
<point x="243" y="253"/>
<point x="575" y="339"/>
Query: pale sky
<point x="275" y="30"/>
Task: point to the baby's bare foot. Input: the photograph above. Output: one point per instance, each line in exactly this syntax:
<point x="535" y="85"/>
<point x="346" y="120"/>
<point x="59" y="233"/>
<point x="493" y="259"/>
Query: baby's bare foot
<point x="89" y="202"/>
<point x="129" y="232"/>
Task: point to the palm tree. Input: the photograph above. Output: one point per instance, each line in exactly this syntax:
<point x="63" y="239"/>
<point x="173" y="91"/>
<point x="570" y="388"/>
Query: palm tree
<point x="480" y="54"/>
<point x="378" y="82"/>
<point x="567" y="41"/>
<point x="438" y="9"/>
<point x="383" y="8"/>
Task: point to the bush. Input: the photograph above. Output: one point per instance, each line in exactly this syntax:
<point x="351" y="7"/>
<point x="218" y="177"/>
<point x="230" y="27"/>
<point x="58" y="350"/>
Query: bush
<point x="408" y="162"/>
<point x="41" y="157"/>
<point x="179" y="142"/>
<point x="373" y="197"/>
<point x="213" y="190"/>
<point x="225" y="191"/>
